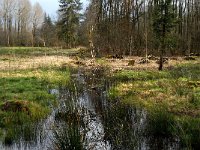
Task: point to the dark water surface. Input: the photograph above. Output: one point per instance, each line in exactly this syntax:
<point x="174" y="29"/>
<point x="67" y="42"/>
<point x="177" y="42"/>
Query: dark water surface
<point x="103" y="124"/>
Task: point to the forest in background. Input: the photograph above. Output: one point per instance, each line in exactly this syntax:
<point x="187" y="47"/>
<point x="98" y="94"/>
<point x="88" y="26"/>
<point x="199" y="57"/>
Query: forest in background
<point x="128" y="26"/>
<point x="124" y="27"/>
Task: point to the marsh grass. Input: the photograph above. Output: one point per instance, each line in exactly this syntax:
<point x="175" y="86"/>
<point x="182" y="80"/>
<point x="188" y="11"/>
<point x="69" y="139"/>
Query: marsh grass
<point x="23" y="58"/>
<point x="127" y="75"/>
<point x="26" y="76"/>
<point x="171" y="97"/>
<point x="188" y="130"/>
<point x="118" y="126"/>
<point x="160" y="122"/>
<point x="68" y="135"/>
<point x="179" y="93"/>
<point x="32" y="85"/>
<point x="189" y="71"/>
<point x="17" y="126"/>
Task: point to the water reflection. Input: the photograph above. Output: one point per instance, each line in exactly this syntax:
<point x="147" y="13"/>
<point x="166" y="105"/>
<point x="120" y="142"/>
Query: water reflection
<point x="81" y="97"/>
<point x="86" y="119"/>
<point x="31" y="136"/>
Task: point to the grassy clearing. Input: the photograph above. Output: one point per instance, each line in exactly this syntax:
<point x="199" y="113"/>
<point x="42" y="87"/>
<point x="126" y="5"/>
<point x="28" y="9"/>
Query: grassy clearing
<point x="177" y="89"/>
<point x="172" y="98"/>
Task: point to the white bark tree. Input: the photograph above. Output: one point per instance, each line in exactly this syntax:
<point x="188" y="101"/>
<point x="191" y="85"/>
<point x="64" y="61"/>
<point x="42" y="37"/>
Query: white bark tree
<point x="8" y="7"/>
<point x="23" y="14"/>
<point x="37" y="20"/>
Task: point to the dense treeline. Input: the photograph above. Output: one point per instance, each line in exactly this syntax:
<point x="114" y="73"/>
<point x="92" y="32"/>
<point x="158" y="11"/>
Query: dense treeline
<point x="22" y="24"/>
<point x="124" y="27"/>
<point x="128" y="26"/>
<point x="19" y="22"/>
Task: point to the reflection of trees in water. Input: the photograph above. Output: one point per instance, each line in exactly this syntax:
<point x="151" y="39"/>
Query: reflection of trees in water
<point x="78" y="121"/>
<point x="103" y="123"/>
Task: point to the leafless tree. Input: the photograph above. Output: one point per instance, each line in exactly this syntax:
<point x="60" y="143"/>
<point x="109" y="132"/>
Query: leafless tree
<point x="23" y="14"/>
<point x="7" y="7"/>
<point x="37" y="18"/>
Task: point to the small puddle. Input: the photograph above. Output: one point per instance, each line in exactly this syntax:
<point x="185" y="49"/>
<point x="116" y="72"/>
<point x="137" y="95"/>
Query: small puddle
<point x="103" y="124"/>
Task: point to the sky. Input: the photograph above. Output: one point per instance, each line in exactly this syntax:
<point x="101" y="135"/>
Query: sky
<point x="51" y="6"/>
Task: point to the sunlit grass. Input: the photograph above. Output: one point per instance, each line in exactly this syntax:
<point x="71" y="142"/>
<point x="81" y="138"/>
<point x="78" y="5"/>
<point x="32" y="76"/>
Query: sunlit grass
<point x="172" y="98"/>
<point x="178" y="89"/>
<point x="25" y="97"/>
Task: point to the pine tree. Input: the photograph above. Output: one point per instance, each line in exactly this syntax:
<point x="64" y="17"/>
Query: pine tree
<point x="69" y="21"/>
<point x="48" y="31"/>
<point x="163" y="22"/>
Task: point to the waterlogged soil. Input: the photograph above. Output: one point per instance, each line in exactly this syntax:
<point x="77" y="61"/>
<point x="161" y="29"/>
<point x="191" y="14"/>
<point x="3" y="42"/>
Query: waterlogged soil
<point x="101" y="124"/>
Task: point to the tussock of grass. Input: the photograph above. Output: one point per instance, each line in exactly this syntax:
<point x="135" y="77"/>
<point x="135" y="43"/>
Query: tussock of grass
<point x="16" y="112"/>
<point x="69" y="136"/>
<point x="35" y="108"/>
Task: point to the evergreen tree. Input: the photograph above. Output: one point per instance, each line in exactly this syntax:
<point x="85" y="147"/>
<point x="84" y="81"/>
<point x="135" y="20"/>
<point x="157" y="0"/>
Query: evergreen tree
<point x="48" y="31"/>
<point x="69" y="17"/>
<point x="163" y="22"/>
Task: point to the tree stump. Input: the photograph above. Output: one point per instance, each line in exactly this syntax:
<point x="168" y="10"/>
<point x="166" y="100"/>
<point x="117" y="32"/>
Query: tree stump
<point x="131" y="63"/>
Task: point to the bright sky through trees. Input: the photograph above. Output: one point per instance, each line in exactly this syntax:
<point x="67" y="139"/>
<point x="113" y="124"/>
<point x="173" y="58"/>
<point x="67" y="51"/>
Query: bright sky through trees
<point x="51" y="6"/>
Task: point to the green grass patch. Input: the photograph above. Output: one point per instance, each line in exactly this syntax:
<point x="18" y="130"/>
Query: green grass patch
<point x="23" y="89"/>
<point x="25" y="97"/>
<point x="187" y="71"/>
<point x="172" y="98"/>
<point x="36" y="51"/>
<point x="179" y="89"/>
<point x="127" y="75"/>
